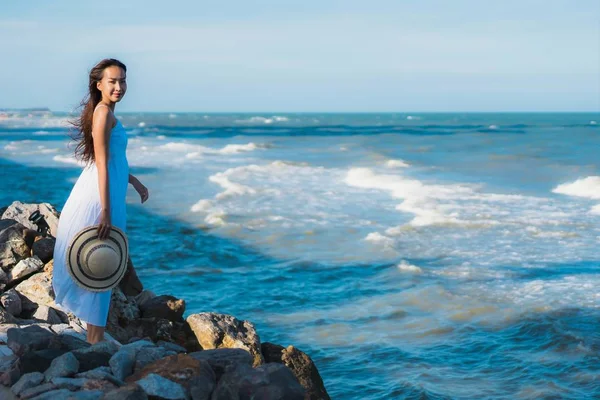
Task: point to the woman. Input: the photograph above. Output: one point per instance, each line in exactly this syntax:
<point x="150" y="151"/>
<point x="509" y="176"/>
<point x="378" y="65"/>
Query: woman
<point x="98" y="196"/>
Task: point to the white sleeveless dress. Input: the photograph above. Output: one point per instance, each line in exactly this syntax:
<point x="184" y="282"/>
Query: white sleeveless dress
<point x="81" y="210"/>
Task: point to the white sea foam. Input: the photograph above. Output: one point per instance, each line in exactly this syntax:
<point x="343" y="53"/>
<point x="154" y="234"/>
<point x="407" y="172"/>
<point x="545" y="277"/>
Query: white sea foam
<point x="409" y="268"/>
<point x="41" y="133"/>
<point x="585" y="187"/>
<point x="141" y="124"/>
<point x="202" y="205"/>
<point x="493" y="127"/>
<point x="68" y="160"/>
<point x="378" y="238"/>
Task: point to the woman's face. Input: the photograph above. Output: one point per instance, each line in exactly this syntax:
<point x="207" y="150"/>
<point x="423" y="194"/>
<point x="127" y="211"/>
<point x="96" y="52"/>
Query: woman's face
<point x="113" y="84"/>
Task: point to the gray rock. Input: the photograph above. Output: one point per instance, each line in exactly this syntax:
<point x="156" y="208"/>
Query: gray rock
<point x="10" y="370"/>
<point x="25" y="267"/>
<point x="44" y="249"/>
<point x="86" y="395"/>
<point x="146" y="356"/>
<point x="5" y="351"/>
<point x="171" y="346"/>
<point x="165" y="307"/>
<point x="215" y="331"/>
<point x="37" y="390"/>
<point x="123" y="312"/>
<point x="122" y="362"/>
<point x="301" y="366"/>
<point x="11" y="302"/>
<point x="5" y="223"/>
<point x="6" y="394"/>
<point x="271" y="381"/>
<point x="63" y="366"/>
<point x="6" y="317"/>
<point x="101" y="347"/>
<point x="27" y="381"/>
<point x="20" y="212"/>
<point x="156" y="385"/>
<point x="28" y="338"/>
<point x="69" y="383"/>
<point x="223" y="360"/>
<point x="7" y="260"/>
<point x="101" y="373"/>
<point x="47" y="314"/>
<point x="39" y="360"/>
<point x="129" y="392"/>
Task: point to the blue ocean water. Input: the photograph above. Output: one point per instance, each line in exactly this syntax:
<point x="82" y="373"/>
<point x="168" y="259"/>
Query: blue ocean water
<point x="431" y="256"/>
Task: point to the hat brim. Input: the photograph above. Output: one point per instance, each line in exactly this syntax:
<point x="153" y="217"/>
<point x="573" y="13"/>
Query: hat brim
<point x="83" y="279"/>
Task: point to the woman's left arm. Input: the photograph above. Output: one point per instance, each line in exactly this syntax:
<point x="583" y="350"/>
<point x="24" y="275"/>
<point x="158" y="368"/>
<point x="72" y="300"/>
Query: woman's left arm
<point x="139" y="187"/>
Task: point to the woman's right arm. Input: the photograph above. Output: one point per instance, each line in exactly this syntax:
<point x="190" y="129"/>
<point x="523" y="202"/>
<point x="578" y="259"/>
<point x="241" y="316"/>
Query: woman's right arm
<point x="101" y="136"/>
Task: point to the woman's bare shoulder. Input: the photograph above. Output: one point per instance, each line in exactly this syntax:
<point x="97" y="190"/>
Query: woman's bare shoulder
<point x="103" y="112"/>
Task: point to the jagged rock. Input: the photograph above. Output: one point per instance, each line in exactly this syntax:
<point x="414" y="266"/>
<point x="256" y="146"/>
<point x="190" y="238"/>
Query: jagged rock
<point x="171" y="346"/>
<point x="129" y="392"/>
<point x="123" y="361"/>
<point x="15" y="238"/>
<point x="167" y="307"/>
<point x="27" y="381"/>
<point x="5" y="223"/>
<point x="38" y="390"/>
<point x="6" y="317"/>
<point x="6" y="394"/>
<point x="44" y="249"/>
<point x="192" y="374"/>
<point x="130" y="284"/>
<point x="37" y="289"/>
<point x="39" y="360"/>
<point x="47" y="314"/>
<point x="63" y="366"/>
<point x="143" y="297"/>
<point x="7" y="258"/>
<point x="271" y="381"/>
<point x="101" y="373"/>
<point x="86" y="395"/>
<point x="301" y="366"/>
<point x="223" y="360"/>
<point x="150" y="355"/>
<point x="10" y="370"/>
<point x="21" y="211"/>
<point x="28" y="339"/>
<point x="11" y="302"/>
<point x="215" y="331"/>
<point x="162" y="388"/>
<point x="25" y="268"/>
<point x="107" y="347"/>
<point x="68" y="383"/>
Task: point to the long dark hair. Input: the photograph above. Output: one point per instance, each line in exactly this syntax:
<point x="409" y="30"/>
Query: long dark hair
<point x="82" y="125"/>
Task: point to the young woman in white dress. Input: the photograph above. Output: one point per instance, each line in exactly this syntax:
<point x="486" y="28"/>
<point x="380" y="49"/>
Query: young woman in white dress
<point x="98" y="196"/>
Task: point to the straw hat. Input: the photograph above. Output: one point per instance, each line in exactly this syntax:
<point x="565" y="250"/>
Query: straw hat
<point x="94" y="264"/>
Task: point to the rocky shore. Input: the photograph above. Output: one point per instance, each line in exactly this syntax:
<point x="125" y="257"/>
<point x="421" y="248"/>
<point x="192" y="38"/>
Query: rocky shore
<point x="151" y="351"/>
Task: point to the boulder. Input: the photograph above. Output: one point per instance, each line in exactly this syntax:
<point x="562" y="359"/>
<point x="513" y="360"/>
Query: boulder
<point x="20" y="212"/>
<point x="161" y="388"/>
<point x="47" y="314"/>
<point x="223" y="360"/>
<point x="39" y="360"/>
<point x="44" y="249"/>
<point x="39" y="392"/>
<point x="143" y="297"/>
<point x="25" y="268"/>
<point x="37" y="289"/>
<point x="129" y="392"/>
<point x="27" y="381"/>
<point x="215" y="331"/>
<point x="166" y="307"/>
<point x="271" y="381"/>
<point x="63" y="366"/>
<point x="11" y="302"/>
<point x="301" y="365"/>
<point x="10" y="370"/>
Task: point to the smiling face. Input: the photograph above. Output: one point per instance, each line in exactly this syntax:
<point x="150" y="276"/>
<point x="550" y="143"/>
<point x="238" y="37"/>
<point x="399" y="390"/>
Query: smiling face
<point x="113" y="84"/>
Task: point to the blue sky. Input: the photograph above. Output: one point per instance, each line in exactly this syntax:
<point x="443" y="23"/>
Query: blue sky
<point x="323" y="56"/>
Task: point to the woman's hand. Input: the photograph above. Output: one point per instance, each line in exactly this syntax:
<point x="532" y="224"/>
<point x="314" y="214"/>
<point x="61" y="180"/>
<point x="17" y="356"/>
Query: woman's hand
<point x="142" y="190"/>
<point x="104" y="225"/>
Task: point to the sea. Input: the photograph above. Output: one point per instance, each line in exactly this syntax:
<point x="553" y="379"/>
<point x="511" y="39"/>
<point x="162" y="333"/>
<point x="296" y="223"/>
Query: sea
<point x="410" y="255"/>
